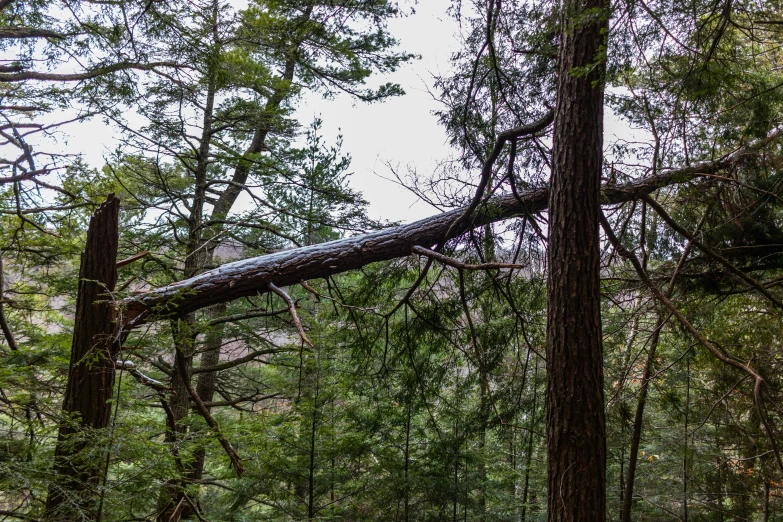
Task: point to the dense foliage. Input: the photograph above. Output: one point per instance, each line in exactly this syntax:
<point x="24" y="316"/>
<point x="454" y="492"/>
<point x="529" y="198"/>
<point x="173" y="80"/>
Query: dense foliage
<point x="411" y="389"/>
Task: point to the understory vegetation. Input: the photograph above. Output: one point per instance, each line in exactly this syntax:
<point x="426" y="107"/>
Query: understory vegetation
<point x="588" y="328"/>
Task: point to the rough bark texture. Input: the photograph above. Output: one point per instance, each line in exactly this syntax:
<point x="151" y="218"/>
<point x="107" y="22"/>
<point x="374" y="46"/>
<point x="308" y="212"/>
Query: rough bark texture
<point x="91" y="375"/>
<point x="252" y="276"/>
<point x="576" y="440"/>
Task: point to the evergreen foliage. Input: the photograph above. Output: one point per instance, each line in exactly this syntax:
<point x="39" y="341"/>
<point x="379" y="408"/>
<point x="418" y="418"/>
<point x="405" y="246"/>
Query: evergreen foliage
<point x="412" y="389"/>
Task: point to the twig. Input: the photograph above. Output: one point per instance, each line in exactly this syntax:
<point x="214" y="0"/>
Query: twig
<point x="143" y="379"/>
<point x="459" y="264"/>
<point x="292" y="309"/>
<point x="131" y="259"/>
<point x="236" y="462"/>
<point x="250" y="314"/>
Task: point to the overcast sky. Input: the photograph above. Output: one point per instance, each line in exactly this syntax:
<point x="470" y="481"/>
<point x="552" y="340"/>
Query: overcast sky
<point x="401" y="130"/>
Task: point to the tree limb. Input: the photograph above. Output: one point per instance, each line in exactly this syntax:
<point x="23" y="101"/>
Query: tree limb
<point x="28" y="32"/>
<point x="252" y="276"/>
<point x="292" y="309"/>
<point x="87" y="75"/>
<point x="456" y="263"/>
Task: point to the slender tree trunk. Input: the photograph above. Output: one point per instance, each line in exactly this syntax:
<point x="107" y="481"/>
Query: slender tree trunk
<point x="514" y="486"/>
<point x="685" y="449"/>
<point x="171" y="500"/>
<point x="311" y="466"/>
<point x="207" y="381"/>
<point x="482" y="442"/>
<point x="316" y="384"/>
<point x="765" y="505"/>
<point x="529" y="452"/>
<point x="626" y="365"/>
<point x="576" y="433"/>
<point x="91" y="372"/>
<point x="456" y="470"/>
<point x="719" y="464"/>
<point x="406" y="511"/>
<point x="200" y="254"/>
<point x="636" y="436"/>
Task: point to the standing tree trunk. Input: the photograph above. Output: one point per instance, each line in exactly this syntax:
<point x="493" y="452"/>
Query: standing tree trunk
<point x="765" y="504"/>
<point x="207" y="381"/>
<point x="91" y="374"/>
<point x="575" y="398"/>
<point x="529" y="451"/>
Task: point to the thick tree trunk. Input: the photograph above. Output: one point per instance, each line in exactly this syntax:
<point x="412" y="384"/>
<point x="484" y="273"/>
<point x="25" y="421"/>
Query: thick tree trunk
<point x="91" y="374"/>
<point x="576" y="438"/>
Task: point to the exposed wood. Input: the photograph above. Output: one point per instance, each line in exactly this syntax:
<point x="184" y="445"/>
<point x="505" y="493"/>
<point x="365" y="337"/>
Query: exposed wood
<point x="92" y="368"/>
<point x="131" y="259"/>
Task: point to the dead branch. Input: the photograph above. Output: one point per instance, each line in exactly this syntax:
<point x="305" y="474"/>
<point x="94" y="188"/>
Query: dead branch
<point x="456" y="263"/>
<point x="250" y="276"/>
<point x="292" y="309"/>
<point x="131" y="259"/>
<point x="714" y="350"/>
<point x="236" y="462"/>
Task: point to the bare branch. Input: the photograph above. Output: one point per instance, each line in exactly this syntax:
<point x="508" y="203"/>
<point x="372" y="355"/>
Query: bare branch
<point x="292" y="309"/>
<point x="28" y="32"/>
<point x="131" y="259"/>
<point x="456" y="263"/>
<point x="87" y="75"/>
<point x="236" y="462"/>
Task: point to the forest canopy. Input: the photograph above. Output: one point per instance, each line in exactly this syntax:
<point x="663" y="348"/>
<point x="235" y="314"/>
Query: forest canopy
<point x="209" y="325"/>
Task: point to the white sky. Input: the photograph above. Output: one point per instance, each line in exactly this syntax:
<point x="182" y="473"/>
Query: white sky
<point x="401" y="130"/>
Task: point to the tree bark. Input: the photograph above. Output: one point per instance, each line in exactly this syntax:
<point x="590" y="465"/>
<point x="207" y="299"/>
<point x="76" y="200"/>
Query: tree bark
<point x="207" y="381"/>
<point x="91" y="374"/>
<point x="252" y="276"/>
<point x="636" y="437"/>
<point x="576" y="440"/>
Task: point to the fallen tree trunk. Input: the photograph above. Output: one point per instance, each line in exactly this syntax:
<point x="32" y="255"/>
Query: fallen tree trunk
<point x="252" y="276"/>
